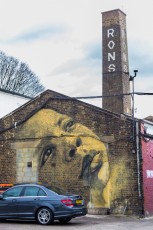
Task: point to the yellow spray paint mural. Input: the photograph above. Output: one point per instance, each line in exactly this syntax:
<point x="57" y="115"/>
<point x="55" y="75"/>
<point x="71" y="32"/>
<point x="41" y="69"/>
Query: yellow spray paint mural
<point x="60" y="142"/>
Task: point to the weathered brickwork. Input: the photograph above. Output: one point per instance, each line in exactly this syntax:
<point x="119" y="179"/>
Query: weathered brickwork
<point x="95" y="130"/>
<point x="115" y="62"/>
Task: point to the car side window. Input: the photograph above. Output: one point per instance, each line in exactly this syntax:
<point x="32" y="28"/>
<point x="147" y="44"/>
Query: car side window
<point x="33" y="191"/>
<point x="13" y="192"/>
<point x="41" y="193"/>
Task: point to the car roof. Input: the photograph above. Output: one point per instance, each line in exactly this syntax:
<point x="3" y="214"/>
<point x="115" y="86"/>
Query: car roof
<point x="29" y="184"/>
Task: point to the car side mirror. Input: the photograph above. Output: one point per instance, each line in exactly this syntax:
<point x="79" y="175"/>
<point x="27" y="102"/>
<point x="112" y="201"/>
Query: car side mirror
<point x="1" y="197"/>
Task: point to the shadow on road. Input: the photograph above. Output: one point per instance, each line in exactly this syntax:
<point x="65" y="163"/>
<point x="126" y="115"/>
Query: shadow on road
<point x="75" y="222"/>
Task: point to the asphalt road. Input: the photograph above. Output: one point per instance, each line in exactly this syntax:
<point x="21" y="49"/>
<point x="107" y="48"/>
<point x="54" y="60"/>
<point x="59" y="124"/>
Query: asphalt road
<point x="88" y="222"/>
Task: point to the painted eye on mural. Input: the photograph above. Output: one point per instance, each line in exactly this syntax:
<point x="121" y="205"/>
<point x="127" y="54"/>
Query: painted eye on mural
<point x="69" y="125"/>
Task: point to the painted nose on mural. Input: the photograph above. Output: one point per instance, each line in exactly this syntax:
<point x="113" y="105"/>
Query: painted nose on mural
<point x="73" y="149"/>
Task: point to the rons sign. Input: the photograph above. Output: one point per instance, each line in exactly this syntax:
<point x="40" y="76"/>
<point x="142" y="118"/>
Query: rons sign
<point x="112" y="49"/>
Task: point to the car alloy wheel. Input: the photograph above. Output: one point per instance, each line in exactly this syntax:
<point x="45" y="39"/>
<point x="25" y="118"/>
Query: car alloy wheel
<point x="44" y="216"/>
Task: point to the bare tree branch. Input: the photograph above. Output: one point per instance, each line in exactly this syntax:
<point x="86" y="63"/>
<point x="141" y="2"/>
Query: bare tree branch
<point x="17" y="77"/>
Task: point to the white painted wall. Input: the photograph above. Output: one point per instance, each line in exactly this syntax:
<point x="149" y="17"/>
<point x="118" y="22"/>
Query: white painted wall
<point x="10" y="102"/>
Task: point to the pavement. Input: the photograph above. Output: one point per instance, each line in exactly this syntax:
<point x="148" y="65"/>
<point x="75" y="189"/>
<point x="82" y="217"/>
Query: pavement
<point x="88" y="222"/>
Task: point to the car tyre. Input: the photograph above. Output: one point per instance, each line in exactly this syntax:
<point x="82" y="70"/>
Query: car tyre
<point x="44" y="216"/>
<point x="64" y="220"/>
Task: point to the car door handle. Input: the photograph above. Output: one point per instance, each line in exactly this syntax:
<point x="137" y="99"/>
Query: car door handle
<point x="37" y="199"/>
<point x="14" y="201"/>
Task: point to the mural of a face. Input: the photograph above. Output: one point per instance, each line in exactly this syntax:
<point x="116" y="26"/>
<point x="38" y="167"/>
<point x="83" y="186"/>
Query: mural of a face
<point x="63" y="139"/>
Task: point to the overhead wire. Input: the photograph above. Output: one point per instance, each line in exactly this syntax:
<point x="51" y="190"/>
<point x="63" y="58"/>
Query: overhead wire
<point x="113" y="95"/>
<point x="70" y="98"/>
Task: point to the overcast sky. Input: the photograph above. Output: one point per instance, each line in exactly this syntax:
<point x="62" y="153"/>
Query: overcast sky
<point x="61" y="40"/>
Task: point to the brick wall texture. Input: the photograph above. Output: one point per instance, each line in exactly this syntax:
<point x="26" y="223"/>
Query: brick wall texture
<point x="39" y="142"/>
<point x="115" y="62"/>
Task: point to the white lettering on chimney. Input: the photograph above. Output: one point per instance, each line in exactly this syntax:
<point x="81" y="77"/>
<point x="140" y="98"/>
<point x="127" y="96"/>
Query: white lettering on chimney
<point x="110" y="32"/>
<point x="111" y="68"/>
<point x="124" y="57"/>
<point x="125" y="68"/>
<point x="111" y="44"/>
<point x="111" y="56"/>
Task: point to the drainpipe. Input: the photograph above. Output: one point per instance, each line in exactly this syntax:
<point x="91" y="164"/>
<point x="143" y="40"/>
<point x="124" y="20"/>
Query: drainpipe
<point x="138" y="164"/>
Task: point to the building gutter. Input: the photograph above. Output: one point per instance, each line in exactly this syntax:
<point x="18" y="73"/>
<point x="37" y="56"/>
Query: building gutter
<point x="138" y="158"/>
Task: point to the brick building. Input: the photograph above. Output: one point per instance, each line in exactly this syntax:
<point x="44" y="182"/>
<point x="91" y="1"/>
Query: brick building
<point x="79" y="147"/>
<point x="75" y="146"/>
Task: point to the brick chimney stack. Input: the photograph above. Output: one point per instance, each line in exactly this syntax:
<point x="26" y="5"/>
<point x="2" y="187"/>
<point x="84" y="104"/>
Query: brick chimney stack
<point x="115" y="62"/>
